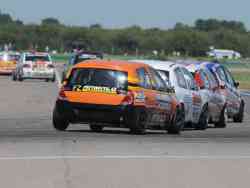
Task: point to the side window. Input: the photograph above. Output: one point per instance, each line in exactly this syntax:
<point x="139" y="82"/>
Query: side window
<point x="165" y="76"/>
<point x="205" y="79"/>
<point x="158" y="82"/>
<point x="190" y="79"/>
<point x="229" y="77"/>
<point x="144" y="78"/>
<point x="213" y="81"/>
<point x="180" y="78"/>
<point x="221" y="74"/>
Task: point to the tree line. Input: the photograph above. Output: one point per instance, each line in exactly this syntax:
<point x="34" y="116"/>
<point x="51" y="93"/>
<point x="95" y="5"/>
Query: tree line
<point x="185" y="39"/>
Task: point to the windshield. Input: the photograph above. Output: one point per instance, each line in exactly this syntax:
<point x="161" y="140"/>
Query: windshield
<point x="84" y="57"/>
<point x="99" y="78"/>
<point x="9" y="57"/>
<point x="37" y="58"/>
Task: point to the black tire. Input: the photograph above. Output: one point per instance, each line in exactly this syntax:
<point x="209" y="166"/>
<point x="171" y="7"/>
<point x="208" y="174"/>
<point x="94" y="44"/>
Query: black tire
<point x="178" y="122"/>
<point x="96" y="128"/>
<point x="240" y="116"/>
<point x="53" y="79"/>
<point x="138" y="121"/>
<point x="222" y="123"/>
<point x="203" y="120"/>
<point x="20" y="78"/>
<point x="14" y="76"/>
<point x="63" y="77"/>
<point x="59" y="123"/>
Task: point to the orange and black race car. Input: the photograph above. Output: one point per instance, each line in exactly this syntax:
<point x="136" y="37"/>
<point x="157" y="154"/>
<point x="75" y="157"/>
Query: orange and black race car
<point x="8" y="62"/>
<point x="117" y="94"/>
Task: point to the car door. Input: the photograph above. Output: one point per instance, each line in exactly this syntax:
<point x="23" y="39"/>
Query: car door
<point x="226" y="90"/>
<point x="145" y="84"/>
<point x="183" y="93"/>
<point x="234" y="94"/>
<point x="217" y="100"/>
<point x="163" y="99"/>
<point x="197" y="102"/>
<point x="206" y="91"/>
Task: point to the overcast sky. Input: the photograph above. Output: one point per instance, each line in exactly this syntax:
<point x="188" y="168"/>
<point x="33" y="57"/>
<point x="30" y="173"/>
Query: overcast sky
<point x="120" y="13"/>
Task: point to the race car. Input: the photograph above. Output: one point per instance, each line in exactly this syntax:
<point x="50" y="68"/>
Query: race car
<point x="8" y="62"/>
<point x="117" y="94"/>
<point x="34" y="65"/>
<point x="78" y="57"/>
<point x="229" y="88"/>
<point x="210" y="91"/>
<point x="186" y="89"/>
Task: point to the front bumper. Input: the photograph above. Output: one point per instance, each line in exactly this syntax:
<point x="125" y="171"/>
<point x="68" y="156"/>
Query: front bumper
<point x="93" y="113"/>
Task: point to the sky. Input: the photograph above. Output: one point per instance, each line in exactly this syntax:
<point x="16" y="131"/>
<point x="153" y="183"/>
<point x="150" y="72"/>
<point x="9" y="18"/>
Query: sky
<point x="122" y="13"/>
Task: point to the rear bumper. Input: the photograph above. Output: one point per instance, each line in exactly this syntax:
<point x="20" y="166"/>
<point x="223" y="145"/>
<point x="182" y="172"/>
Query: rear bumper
<point x="6" y="72"/>
<point x="92" y="113"/>
<point x="37" y="75"/>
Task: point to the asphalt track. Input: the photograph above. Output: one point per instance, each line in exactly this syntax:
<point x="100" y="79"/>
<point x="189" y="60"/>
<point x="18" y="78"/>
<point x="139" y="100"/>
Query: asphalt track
<point x="33" y="154"/>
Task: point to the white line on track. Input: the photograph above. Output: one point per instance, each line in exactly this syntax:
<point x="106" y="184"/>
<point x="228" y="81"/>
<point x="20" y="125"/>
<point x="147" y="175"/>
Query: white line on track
<point x="245" y="94"/>
<point x="205" y="157"/>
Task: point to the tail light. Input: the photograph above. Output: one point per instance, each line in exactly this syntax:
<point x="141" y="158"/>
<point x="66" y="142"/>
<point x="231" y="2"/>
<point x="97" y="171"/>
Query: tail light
<point x="50" y="66"/>
<point x="129" y="98"/>
<point x="62" y="96"/>
<point x="26" y="66"/>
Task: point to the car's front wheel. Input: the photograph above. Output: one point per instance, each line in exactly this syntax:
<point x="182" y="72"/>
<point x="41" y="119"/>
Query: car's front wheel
<point x="96" y="128"/>
<point x="203" y="120"/>
<point x="240" y="116"/>
<point x="59" y="122"/>
<point x="222" y="123"/>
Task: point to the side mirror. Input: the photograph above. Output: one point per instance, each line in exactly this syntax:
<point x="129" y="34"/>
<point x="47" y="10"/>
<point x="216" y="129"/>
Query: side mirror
<point x="222" y="86"/>
<point x="170" y="90"/>
<point x="236" y="84"/>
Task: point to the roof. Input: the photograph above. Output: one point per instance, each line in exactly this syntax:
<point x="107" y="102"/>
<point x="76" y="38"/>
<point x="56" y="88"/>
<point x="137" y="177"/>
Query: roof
<point x="110" y="64"/>
<point x="157" y="64"/>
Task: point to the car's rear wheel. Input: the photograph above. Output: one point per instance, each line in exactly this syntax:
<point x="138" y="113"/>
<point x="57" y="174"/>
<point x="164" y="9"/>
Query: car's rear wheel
<point x="96" y="127"/>
<point x="53" y="79"/>
<point x="222" y="123"/>
<point x="138" y="122"/>
<point x="203" y="120"/>
<point x="178" y="122"/>
<point x="240" y="116"/>
<point x="20" y="78"/>
<point x="14" y="76"/>
<point x="59" y="122"/>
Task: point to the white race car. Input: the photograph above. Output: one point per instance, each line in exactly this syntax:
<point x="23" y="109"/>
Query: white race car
<point x="34" y="66"/>
<point x="186" y="89"/>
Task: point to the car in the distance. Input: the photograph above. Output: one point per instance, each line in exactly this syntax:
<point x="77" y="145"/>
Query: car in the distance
<point x="34" y="65"/>
<point x="209" y="89"/>
<point x="229" y="88"/>
<point x="78" y="57"/>
<point x="117" y="94"/>
<point x="8" y="62"/>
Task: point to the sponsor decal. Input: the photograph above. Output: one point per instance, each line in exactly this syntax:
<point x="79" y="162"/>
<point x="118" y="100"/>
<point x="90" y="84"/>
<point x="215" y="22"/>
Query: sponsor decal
<point x="80" y="88"/>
